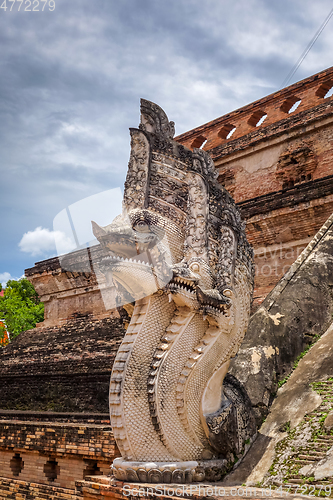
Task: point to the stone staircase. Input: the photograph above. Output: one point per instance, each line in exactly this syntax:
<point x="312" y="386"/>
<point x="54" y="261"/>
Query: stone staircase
<point x="306" y="445"/>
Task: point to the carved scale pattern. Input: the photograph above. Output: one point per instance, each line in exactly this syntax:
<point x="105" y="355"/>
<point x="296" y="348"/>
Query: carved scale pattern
<point x="208" y="353"/>
<point x="117" y="377"/>
<point x="204" y="344"/>
<point x="179" y="322"/>
<point x="144" y="440"/>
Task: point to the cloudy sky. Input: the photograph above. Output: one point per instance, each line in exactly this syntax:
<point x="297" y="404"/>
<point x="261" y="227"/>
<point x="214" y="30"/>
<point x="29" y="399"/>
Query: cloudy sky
<point x="71" y="79"/>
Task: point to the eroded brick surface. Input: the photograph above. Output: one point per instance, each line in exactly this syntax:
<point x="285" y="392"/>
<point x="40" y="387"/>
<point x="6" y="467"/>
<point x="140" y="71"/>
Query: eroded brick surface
<point x="60" y="369"/>
<point x="33" y="451"/>
<point x="17" y="489"/>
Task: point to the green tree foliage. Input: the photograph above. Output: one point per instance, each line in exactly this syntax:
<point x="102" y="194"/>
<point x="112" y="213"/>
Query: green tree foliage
<point x="20" y="307"/>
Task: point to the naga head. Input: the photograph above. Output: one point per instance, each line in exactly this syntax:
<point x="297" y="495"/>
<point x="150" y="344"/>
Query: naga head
<point x="137" y="252"/>
<point x="180" y="232"/>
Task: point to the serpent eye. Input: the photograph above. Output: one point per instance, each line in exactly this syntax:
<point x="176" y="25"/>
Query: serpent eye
<point x="195" y="267"/>
<point x="142" y="227"/>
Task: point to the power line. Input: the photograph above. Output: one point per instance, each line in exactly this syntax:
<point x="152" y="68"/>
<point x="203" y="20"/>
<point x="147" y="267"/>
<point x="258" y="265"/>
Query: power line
<point x="307" y="50"/>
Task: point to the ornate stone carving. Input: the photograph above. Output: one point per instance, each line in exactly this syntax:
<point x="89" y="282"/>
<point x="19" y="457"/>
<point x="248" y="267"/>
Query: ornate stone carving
<point x="155" y="121"/>
<point x="136" y="184"/>
<point x="178" y="254"/>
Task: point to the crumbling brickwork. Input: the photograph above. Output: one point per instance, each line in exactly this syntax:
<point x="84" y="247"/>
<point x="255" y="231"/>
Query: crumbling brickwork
<point x="67" y="369"/>
<point x="277" y="106"/>
<point x="55" y="453"/>
<point x="17" y="489"/>
<point x="87" y="440"/>
<point x="60" y="369"/>
<point x="69" y="287"/>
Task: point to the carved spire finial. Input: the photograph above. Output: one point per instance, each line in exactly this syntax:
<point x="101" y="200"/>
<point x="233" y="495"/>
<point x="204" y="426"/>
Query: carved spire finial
<point x="155" y="120"/>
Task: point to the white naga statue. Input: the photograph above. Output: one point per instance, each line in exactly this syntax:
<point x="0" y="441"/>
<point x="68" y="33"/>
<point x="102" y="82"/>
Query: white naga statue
<point x="183" y="268"/>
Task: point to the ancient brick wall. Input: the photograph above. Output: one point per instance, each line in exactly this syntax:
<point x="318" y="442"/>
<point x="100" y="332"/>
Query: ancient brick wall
<point x="60" y="369"/>
<point x="71" y="286"/>
<point x="66" y="369"/>
<point x="49" y="469"/>
<point x="16" y="489"/>
<point x="249" y="119"/>
<point x="55" y="453"/>
<point x="87" y="440"/>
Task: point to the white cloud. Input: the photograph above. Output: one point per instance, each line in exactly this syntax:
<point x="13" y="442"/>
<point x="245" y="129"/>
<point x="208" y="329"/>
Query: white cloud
<point x="4" y="277"/>
<point x="43" y="242"/>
